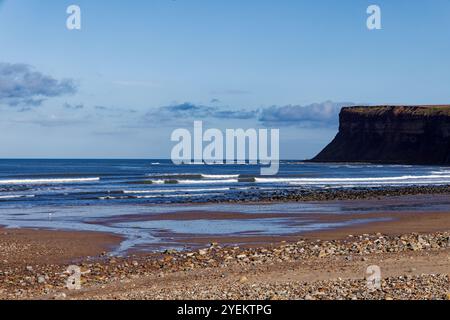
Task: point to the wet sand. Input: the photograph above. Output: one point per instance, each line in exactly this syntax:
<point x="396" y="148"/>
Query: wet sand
<point x="47" y="246"/>
<point x="400" y="223"/>
<point x="412" y="248"/>
<point x="30" y="246"/>
<point x="397" y="224"/>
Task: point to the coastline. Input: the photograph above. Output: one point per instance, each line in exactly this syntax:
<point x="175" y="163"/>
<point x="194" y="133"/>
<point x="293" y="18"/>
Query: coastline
<point x="301" y="267"/>
<point x="43" y="246"/>
<point x="221" y="155"/>
<point x="391" y="211"/>
<point x="338" y="194"/>
<point x="413" y="267"/>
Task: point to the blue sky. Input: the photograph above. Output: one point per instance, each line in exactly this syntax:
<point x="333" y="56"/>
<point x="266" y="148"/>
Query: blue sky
<point x="139" y="69"/>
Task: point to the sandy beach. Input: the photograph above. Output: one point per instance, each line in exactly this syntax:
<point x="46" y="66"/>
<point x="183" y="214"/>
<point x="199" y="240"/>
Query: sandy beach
<point x="411" y="249"/>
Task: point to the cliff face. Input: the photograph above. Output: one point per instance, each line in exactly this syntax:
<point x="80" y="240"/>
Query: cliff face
<point x="391" y="134"/>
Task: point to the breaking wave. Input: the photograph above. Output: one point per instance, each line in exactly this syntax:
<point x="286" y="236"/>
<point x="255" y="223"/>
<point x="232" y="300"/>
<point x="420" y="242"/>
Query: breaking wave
<point x="47" y="181"/>
<point x="358" y="181"/>
<point x="16" y="196"/>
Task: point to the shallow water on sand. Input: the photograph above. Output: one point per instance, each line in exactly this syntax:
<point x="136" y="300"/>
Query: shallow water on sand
<point x="146" y="201"/>
<point x="165" y="226"/>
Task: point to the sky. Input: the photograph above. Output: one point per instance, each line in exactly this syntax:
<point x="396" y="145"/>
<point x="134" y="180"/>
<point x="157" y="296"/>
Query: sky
<point x="139" y="69"/>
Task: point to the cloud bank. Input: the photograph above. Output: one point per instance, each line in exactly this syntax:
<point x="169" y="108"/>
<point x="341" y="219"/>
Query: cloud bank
<point x="324" y="114"/>
<point x="189" y="110"/>
<point x="21" y="85"/>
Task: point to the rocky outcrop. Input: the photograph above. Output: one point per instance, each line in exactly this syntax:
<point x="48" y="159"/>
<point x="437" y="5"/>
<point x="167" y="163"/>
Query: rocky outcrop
<point x="391" y="134"/>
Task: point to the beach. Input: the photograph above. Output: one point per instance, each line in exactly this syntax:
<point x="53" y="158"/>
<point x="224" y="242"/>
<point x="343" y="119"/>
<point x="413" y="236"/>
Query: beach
<point x="224" y="151"/>
<point x="412" y="251"/>
<point x="138" y="230"/>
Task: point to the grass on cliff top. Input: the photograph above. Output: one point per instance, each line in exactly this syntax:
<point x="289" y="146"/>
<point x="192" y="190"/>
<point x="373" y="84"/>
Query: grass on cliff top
<point x="431" y="110"/>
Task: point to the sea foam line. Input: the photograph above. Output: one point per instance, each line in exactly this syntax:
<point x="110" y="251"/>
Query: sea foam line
<point x="208" y="181"/>
<point x="220" y="176"/>
<point x="340" y="180"/>
<point x="178" y="195"/>
<point x="308" y="181"/>
<point x="47" y="181"/>
<point x="199" y="175"/>
<point x="162" y="196"/>
<point x="174" y="190"/>
<point x="16" y="196"/>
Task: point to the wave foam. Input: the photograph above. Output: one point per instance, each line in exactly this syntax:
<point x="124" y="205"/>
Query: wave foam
<point x="16" y="196"/>
<point x="220" y="176"/>
<point x="48" y="181"/>
<point x="174" y="190"/>
<point x="208" y="181"/>
<point x="428" y="178"/>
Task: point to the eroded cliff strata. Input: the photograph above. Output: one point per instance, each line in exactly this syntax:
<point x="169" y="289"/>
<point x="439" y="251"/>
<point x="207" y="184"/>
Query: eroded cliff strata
<point x="391" y="134"/>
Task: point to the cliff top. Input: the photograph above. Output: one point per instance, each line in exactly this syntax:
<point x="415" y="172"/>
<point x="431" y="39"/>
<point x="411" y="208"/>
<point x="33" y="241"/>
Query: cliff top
<point x="424" y="110"/>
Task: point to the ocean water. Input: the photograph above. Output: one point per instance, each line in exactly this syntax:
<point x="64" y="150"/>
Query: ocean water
<point x="96" y="182"/>
<point x="87" y="194"/>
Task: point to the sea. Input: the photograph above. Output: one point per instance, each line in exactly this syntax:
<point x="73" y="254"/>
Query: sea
<point x="99" y="195"/>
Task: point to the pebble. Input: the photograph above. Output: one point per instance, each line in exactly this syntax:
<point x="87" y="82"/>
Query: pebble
<point x="41" y="279"/>
<point x="60" y="295"/>
<point x="243" y="279"/>
<point x="52" y="278"/>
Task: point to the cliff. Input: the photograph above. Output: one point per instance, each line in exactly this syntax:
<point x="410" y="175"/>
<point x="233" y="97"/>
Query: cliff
<point x="391" y="134"/>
